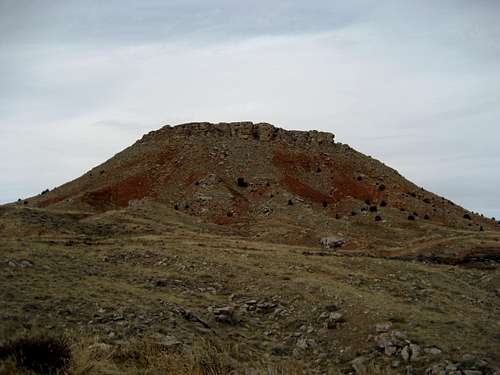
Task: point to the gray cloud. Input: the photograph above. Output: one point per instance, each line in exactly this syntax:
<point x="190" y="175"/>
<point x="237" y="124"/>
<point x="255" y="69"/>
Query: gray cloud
<point x="414" y="84"/>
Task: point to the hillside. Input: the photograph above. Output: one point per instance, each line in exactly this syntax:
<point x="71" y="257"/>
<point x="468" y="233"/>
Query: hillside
<point x="265" y="183"/>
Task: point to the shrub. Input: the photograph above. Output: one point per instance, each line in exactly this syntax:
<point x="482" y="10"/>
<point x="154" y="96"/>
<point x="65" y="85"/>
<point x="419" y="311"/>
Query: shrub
<point x="40" y="354"/>
<point x="373" y="208"/>
<point x="367" y="201"/>
<point x="383" y="204"/>
<point x="325" y="204"/>
<point x="44" y="192"/>
<point x="481" y="228"/>
<point x="381" y="187"/>
<point x="411" y="217"/>
<point x="290" y="202"/>
<point x="241" y="182"/>
<point x="378" y="218"/>
<point x="426" y="217"/>
<point x="467" y="216"/>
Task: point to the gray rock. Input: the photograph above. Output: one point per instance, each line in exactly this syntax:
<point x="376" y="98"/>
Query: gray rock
<point x="25" y="263"/>
<point x="359" y="365"/>
<point x="433" y="351"/>
<point x="383" y="327"/>
<point x="306" y="344"/>
<point x="265" y="307"/>
<point x="324" y="315"/>
<point x="415" y="352"/>
<point x="332" y="242"/>
<point x="169" y="343"/>
<point x="405" y="354"/>
<point x="390" y="350"/>
<point x="437" y="369"/>
<point x="225" y="315"/>
<point x="472" y="372"/>
<point x="333" y="319"/>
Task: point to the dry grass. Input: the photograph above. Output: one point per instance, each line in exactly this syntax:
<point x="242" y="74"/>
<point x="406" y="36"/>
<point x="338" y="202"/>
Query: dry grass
<point x="109" y="290"/>
<point x="89" y="357"/>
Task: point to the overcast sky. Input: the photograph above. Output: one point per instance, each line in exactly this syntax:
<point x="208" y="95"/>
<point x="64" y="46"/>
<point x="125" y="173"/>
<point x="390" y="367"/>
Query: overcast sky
<point x="415" y="84"/>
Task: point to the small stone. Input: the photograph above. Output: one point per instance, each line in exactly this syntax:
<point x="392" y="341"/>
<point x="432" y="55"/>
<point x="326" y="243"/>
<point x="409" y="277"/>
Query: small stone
<point x="25" y="264"/>
<point x="390" y="350"/>
<point x="324" y="315"/>
<point x="336" y="316"/>
<point x="437" y="369"/>
<point x="225" y="315"/>
<point x="170" y="343"/>
<point x="333" y="319"/>
<point x="383" y="327"/>
<point x="472" y="372"/>
<point x="306" y="344"/>
<point x="415" y="352"/>
<point x="433" y="351"/>
<point x="359" y="365"/>
<point x="405" y="354"/>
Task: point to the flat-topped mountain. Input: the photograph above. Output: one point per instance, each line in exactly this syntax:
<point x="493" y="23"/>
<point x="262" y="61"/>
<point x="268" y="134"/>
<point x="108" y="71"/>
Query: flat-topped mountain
<point x="262" y="182"/>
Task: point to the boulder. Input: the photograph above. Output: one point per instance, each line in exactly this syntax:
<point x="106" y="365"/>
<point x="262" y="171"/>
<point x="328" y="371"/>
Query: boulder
<point x="332" y="242"/>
